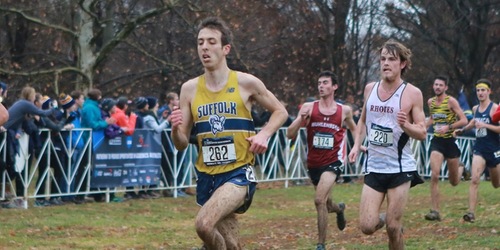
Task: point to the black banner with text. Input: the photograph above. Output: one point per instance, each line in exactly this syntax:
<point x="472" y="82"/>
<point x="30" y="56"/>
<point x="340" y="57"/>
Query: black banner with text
<point x="127" y="161"/>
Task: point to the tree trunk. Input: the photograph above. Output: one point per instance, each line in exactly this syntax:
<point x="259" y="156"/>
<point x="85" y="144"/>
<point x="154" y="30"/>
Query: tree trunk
<point x="86" y="55"/>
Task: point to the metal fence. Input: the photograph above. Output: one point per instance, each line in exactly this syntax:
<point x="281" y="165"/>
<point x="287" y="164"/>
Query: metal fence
<point x="285" y="161"/>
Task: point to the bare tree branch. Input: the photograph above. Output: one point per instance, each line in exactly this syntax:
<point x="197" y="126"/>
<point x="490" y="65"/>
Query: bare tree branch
<point x="42" y="72"/>
<point x="39" y="21"/>
<point x="126" y="30"/>
<point x="156" y="59"/>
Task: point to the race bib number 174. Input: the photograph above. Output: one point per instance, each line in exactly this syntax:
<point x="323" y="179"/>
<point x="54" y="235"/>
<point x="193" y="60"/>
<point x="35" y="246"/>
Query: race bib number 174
<point x="323" y="141"/>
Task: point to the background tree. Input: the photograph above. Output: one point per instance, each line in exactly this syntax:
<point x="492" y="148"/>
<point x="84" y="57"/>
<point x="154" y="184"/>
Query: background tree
<point x="68" y="41"/>
<point x="460" y="38"/>
<point x="139" y="47"/>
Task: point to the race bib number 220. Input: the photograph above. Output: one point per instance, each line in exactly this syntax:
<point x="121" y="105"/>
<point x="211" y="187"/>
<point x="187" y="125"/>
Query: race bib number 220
<point x="380" y="136"/>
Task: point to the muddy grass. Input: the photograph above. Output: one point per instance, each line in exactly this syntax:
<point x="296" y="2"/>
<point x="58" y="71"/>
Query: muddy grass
<point x="278" y="219"/>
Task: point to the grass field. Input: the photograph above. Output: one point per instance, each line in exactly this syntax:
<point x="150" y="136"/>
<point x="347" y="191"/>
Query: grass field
<point x="278" y="219"/>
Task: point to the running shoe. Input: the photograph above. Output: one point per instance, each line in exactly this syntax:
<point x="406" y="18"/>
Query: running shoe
<point x="433" y="215"/>
<point x="466" y="174"/>
<point x="320" y="246"/>
<point x="381" y="221"/>
<point x="340" y="217"/>
<point x="469" y="217"/>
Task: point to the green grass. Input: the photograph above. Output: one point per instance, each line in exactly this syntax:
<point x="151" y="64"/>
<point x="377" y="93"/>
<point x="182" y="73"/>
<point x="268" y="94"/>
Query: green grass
<point x="278" y="219"/>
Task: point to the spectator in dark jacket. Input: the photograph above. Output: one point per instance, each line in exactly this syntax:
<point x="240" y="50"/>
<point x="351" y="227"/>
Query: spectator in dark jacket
<point x="21" y="111"/>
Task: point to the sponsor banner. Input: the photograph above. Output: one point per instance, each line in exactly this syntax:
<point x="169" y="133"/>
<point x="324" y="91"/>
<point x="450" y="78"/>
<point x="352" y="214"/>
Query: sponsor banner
<point x="127" y="161"/>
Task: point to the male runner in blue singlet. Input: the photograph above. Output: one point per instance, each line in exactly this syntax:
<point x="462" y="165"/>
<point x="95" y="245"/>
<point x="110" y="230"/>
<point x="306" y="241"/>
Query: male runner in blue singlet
<point x="487" y="146"/>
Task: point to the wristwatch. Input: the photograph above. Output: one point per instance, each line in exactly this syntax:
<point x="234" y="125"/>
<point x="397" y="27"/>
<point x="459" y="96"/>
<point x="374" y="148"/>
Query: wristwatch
<point x="449" y="127"/>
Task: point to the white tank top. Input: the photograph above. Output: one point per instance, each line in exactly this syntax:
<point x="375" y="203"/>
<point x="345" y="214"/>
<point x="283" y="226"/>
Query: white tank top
<point x="388" y="146"/>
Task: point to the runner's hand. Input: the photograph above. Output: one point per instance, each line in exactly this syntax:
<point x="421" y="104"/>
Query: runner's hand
<point x="258" y="143"/>
<point x="176" y="117"/>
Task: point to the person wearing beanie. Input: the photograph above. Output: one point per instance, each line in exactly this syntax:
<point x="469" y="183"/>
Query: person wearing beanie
<point x="152" y="102"/>
<point x="46" y="102"/>
<point x="73" y="141"/>
<point x="108" y="105"/>
<point x="141" y="103"/>
<point x="55" y="123"/>
<point x="123" y="101"/>
<point x="146" y="112"/>
<point x="126" y="122"/>
<point x="66" y="101"/>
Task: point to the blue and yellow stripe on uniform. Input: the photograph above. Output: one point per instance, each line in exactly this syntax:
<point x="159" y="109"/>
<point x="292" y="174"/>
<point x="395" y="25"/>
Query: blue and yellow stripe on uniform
<point x="222" y="114"/>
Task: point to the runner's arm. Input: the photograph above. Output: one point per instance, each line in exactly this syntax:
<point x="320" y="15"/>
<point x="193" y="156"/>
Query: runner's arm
<point x="469" y="126"/>
<point x="181" y="117"/>
<point x="429" y="121"/>
<point x="462" y="119"/>
<point x="359" y="133"/>
<point x="349" y="121"/>
<point x="412" y="120"/>
<point x="301" y="121"/>
<point x="493" y="127"/>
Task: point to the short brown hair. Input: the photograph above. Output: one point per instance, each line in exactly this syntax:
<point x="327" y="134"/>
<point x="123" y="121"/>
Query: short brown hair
<point x="75" y="94"/>
<point x="442" y="78"/>
<point x="94" y="94"/>
<point x="170" y="96"/>
<point x="398" y="49"/>
<point x="216" y="23"/>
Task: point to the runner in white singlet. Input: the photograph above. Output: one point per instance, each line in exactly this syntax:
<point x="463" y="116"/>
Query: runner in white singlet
<point x="392" y="114"/>
<point x="385" y="135"/>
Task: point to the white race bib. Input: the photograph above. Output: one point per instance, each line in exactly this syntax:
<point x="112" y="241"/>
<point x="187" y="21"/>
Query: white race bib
<point x="381" y="136"/>
<point x="481" y="132"/>
<point x="218" y="151"/>
<point x="439" y="126"/>
<point x="323" y="141"/>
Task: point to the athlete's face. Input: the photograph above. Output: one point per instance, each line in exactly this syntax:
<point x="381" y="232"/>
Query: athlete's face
<point x="439" y="87"/>
<point x="210" y="49"/>
<point x="390" y="65"/>
<point x="482" y="93"/>
<point x="325" y="86"/>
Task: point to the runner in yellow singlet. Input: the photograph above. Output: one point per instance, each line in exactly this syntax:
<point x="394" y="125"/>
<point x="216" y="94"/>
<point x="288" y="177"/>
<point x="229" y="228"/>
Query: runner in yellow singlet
<point x="445" y="116"/>
<point x="218" y="105"/>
